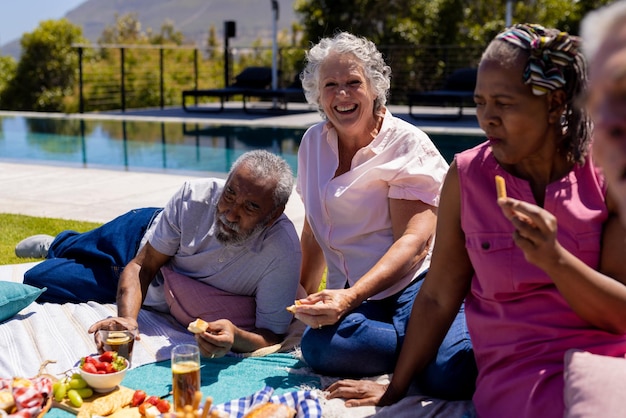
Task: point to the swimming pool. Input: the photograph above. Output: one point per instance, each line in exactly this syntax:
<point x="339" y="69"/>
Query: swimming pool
<point x="157" y="146"/>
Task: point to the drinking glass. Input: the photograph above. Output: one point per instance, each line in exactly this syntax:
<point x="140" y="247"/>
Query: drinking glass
<point x="122" y="341"/>
<point x="185" y="374"/>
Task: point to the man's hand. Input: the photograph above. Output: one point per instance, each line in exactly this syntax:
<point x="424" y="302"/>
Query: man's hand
<point x="114" y="323"/>
<point x="218" y="339"/>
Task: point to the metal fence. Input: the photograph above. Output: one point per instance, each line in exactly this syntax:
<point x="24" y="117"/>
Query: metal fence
<point x="130" y="76"/>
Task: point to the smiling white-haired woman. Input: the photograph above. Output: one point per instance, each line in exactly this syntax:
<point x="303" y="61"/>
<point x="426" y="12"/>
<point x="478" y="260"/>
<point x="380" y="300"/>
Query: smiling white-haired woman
<point x="370" y="184"/>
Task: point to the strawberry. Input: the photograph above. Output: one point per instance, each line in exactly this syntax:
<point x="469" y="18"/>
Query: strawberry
<point x="90" y="368"/>
<point x="108" y="356"/>
<point x="89" y="359"/>
<point x="108" y="367"/>
<point x="163" y="406"/>
<point x="100" y="366"/>
<point x="138" y="397"/>
<point x="143" y="407"/>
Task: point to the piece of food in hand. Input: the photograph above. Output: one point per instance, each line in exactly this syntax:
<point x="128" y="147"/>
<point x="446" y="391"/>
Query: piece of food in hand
<point x="271" y="410"/>
<point x="292" y="308"/>
<point x="500" y="187"/>
<point x="198" y="326"/>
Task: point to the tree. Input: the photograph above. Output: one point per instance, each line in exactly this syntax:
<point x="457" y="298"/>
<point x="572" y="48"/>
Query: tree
<point x="425" y="40"/>
<point x="7" y="71"/>
<point x="168" y="35"/>
<point x="47" y="70"/>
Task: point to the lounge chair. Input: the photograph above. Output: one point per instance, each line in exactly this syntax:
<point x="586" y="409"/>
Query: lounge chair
<point x="292" y="93"/>
<point x="250" y="79"/>
<point x="458" y="90"/>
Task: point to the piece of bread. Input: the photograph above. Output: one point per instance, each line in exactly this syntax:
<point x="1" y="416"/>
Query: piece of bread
<point x="198" y="326"/>
<point x="292" y="308"/>
<point x="6" y="400"/>
<point x="271" y="410"/>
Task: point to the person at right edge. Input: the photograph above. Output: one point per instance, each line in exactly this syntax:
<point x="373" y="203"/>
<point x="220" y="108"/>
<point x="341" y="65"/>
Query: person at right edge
<point x="541" y="271"/>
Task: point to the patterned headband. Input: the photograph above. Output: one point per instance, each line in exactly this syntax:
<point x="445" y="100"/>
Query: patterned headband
<point x="549" y="54"/>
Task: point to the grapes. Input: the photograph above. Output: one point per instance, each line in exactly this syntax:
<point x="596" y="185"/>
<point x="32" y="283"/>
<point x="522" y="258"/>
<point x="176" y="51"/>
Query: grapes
<point x="85" y="392"/>
<point x="73" y="388"/>
<point x="60" y="391"/>
<point x="77" y="383"/>
<point x="75" y="398"/>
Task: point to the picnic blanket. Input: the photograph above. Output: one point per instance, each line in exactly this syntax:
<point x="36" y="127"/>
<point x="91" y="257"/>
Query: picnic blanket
<point x="58" y="332"/>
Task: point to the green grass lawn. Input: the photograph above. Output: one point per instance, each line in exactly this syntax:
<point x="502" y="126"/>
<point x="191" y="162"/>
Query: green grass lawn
<point x="14" y="228"/>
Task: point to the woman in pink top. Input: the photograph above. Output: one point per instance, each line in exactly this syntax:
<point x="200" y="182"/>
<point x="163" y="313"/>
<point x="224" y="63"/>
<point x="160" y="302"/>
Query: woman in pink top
<point x="541" y="270"/>
<point x="370" y="185"/>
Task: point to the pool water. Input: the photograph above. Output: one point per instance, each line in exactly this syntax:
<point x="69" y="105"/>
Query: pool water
<point x="157" y="146"/>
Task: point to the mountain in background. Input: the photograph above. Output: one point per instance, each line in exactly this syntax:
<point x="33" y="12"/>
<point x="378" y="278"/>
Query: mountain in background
<point x="253" y="18"/>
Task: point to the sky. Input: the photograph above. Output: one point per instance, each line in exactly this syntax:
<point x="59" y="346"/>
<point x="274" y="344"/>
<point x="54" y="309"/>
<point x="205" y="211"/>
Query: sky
<point x="18" y="17"/>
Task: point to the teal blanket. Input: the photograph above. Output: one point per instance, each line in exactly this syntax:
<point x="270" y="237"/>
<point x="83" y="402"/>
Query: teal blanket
<point x="224" y="378"/>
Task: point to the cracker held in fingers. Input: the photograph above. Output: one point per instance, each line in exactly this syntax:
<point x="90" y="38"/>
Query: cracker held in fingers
<point x="292" y="308"/>
<point x="198" y="326"/>
<point x="501" y="187"/>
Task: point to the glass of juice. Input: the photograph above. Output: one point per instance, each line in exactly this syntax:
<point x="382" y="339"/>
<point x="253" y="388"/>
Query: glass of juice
<point x="120" y="341"/>
<point x="185" y="374"/>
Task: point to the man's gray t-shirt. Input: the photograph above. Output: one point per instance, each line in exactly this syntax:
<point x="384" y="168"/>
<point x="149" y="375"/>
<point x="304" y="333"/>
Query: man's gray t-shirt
<point x="266" y="266"/>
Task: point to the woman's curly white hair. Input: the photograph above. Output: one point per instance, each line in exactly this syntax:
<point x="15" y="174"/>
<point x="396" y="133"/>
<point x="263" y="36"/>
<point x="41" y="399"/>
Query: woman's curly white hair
<point x="376" y="71"/>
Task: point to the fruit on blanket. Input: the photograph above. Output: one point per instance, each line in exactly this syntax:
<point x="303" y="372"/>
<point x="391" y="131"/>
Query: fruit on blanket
<point x="271" y="410"/>
<point x="198" y="326"/>
<point x="75" y="398"/>
<point x="107" y="362"/>
<point x="138" y="398"/>
<point x="151" y="405"/>
<point x="59" y="390"/>
<point x="77" y="382"/>
<point x="163" y="405"/>
<point x="74" y="388"/>
<point x="105" y="372"/>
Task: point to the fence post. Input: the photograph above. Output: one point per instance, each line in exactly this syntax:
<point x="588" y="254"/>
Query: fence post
<point x="122" y="84"/>
<point x="195" y="73"/>
<point x="81" y="100"/>
<point x="161" y="66"/>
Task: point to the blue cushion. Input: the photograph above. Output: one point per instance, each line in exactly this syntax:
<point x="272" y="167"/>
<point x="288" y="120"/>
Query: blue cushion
<point x="16" y="296"/>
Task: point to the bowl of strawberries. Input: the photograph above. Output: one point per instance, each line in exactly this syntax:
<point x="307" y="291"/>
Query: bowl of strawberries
<point x="103" y="372"/>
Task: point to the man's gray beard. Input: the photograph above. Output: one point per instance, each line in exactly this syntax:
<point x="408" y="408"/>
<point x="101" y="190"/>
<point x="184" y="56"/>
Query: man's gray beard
<point x="237" y="238"/>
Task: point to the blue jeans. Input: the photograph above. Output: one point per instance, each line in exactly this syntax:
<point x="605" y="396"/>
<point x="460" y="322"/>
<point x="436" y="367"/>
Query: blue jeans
<point x="367" y="342"/>
<point x="86" y="266"/>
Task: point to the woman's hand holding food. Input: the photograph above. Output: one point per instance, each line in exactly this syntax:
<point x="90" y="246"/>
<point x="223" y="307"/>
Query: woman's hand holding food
<point x="535" y="230"/>
<point x="325" y="307"/>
